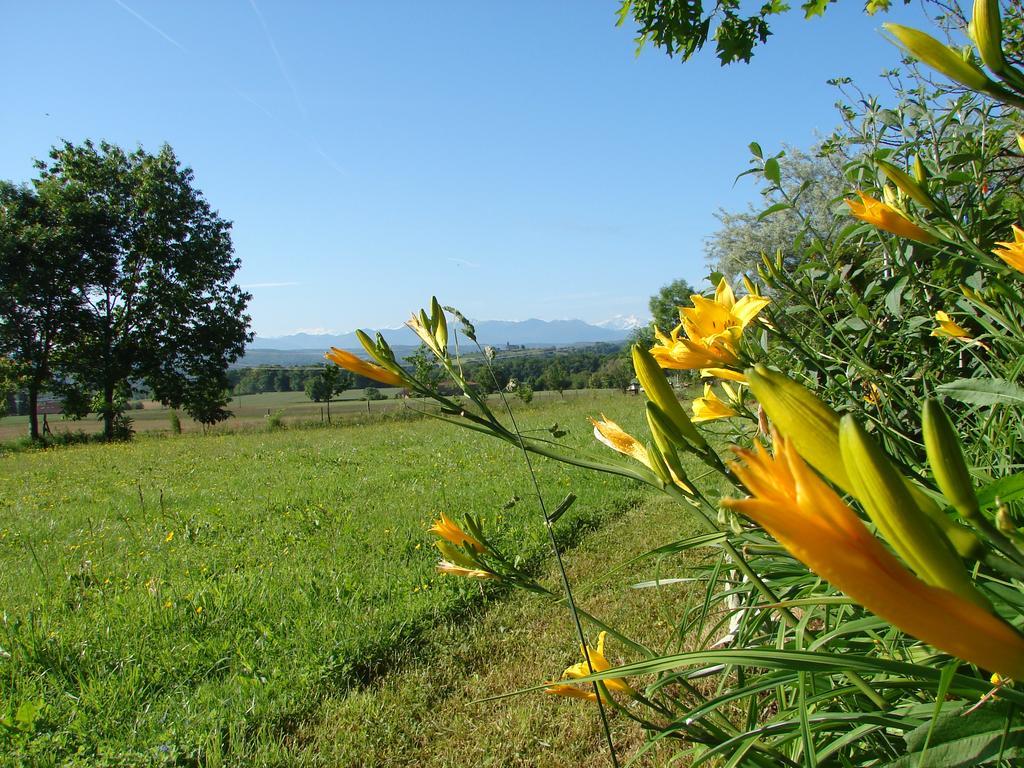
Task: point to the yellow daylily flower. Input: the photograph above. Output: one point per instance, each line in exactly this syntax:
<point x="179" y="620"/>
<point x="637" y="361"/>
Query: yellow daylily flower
<point x="1013" y="253"/>
<point x="872" y="394"/>
<point x="710" y="407"/>
<point x="722" y="373"/>
<point x="571" y="691"/>
<point x="887" y="218"/>
<point x="812" y="522"/>
<point x="598" y="663"/>
<point x="457" y="570"/>
<point x="712" y="329"/>
<point x="615" y="437"/>
<point x="449" y="531"/>
<point x="357" y="365"/>
<point x="948" y="328"/>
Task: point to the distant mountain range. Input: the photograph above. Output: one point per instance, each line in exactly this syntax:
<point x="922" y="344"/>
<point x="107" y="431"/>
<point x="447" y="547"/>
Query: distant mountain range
<point x="496" y="333"/>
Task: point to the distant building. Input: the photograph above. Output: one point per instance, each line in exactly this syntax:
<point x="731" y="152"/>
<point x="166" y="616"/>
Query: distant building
<point x="633" y="388"/>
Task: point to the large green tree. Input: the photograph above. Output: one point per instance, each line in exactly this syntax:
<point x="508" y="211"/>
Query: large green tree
<point x="158" y="261"/>
<point x="42" y="304"/>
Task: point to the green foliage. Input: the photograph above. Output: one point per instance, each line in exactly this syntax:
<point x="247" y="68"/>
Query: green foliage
<point x="682" y="28"/>
<point x="43" y="305"/>
<point x="664" y="305"/>
<point x="141" y="236"/>
<point x="372" y="393"/>
<point x="275" y="420"/>
<point x="175" y="422"/>
<point x="524" y="392"/>
<point x="800" y="193"/>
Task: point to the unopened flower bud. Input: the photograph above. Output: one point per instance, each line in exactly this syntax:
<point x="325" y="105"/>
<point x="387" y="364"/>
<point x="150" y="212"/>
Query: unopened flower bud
<point x="882" y="490"/>
<point x="946" y="458"/>
<point x="986" y="29"/>
<point x="939" y="56"/>
<point x="906" y="183"/>
<point x="658" y="390"/>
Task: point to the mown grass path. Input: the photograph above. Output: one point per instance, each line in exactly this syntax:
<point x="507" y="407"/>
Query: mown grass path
<point x="196" y="599"/>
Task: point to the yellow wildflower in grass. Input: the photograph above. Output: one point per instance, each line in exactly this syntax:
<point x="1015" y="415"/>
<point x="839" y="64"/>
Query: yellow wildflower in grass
<point x="598" y="663"/>
<point x="887" y="218"/>
<point x="948" y="328"/>
<point x="1013" y="253"/>
<point x="712" y="330"/>
<point x="449" y="531"/>
<point x="810" y="520"/>
<point x="872" y="394"/>
<point x="710" y="407"/>
<point x="357" y="365"/>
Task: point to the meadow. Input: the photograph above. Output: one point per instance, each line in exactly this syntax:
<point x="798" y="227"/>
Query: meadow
<point x="199" y="599"/>
<point x="247" y="412"/>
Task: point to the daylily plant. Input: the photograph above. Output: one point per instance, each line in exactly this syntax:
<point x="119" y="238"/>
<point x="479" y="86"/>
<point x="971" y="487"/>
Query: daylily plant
<point x="711" y="331"/>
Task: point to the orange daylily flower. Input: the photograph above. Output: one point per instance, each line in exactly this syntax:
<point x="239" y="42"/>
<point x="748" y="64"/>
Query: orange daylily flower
<point x="357" y="365"/>
<point x="1013" y="253"/>
<point x="450" y="531"/>
<point x="887" y="218"/>
<point x="807" y="517"/>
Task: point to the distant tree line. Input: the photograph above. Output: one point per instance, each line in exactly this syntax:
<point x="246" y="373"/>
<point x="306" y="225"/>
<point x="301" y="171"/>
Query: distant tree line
<point x="116" y="273"/>
<point x="599" y="366"/>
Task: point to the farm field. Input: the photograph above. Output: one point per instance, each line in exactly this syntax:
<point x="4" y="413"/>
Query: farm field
<point x="250" y="412"/>
<point x="201" y="600"/>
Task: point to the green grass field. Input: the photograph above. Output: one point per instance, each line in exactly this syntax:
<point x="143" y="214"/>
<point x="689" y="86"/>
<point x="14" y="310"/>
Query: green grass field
<point x="195" y="599"/>
<point x="249" y="412"/>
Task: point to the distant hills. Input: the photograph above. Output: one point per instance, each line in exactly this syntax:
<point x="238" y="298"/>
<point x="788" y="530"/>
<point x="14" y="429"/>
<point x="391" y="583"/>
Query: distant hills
<point x="497" y="333"/>
<point x="306" y="348"/>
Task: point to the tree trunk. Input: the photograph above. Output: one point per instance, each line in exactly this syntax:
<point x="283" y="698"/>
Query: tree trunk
<point x="33" y="417"/>
<point x="328" y="410"/>
<point x="108" y="410"/>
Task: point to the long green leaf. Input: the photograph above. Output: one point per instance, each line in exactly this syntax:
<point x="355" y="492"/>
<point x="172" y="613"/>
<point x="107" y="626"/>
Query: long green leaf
<point x="984" y="391"/>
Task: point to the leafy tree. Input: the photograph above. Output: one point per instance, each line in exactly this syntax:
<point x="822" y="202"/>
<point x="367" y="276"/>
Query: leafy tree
<point x="795" y="213"/>
<point x="8" y="384"/>
<point x="42" y="303"/>
<point x="206" y="402"/>
<point x="425" y="367"/>
<point x="372" y="393"/>
<point x="664" y="305"/>
<point x="555" y="377"/>
<point x="682" y="28"/>
<point x="615" y="373"/>
<point x="331" y="381"/>
<point x="158" y="263"/>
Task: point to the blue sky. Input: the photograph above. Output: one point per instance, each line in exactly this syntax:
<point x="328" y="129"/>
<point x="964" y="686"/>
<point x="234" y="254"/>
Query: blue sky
<point x="514" y="158"/>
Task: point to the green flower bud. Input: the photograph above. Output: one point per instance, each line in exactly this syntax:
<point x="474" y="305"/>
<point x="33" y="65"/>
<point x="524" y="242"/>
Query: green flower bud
<point x="883" y="492"/>
<point x="657" y="389"/>
<point x="946" y="458"/>
<point x="665" y="439"/>
<point x="810" y="425"/>
<point x="906" y="183"/>
<point x="986" y="29"/>
<point x="939" y="56"/>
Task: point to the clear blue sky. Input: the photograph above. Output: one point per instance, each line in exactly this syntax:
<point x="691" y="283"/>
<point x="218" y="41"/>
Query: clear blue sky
<point x="514" y="158"/>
